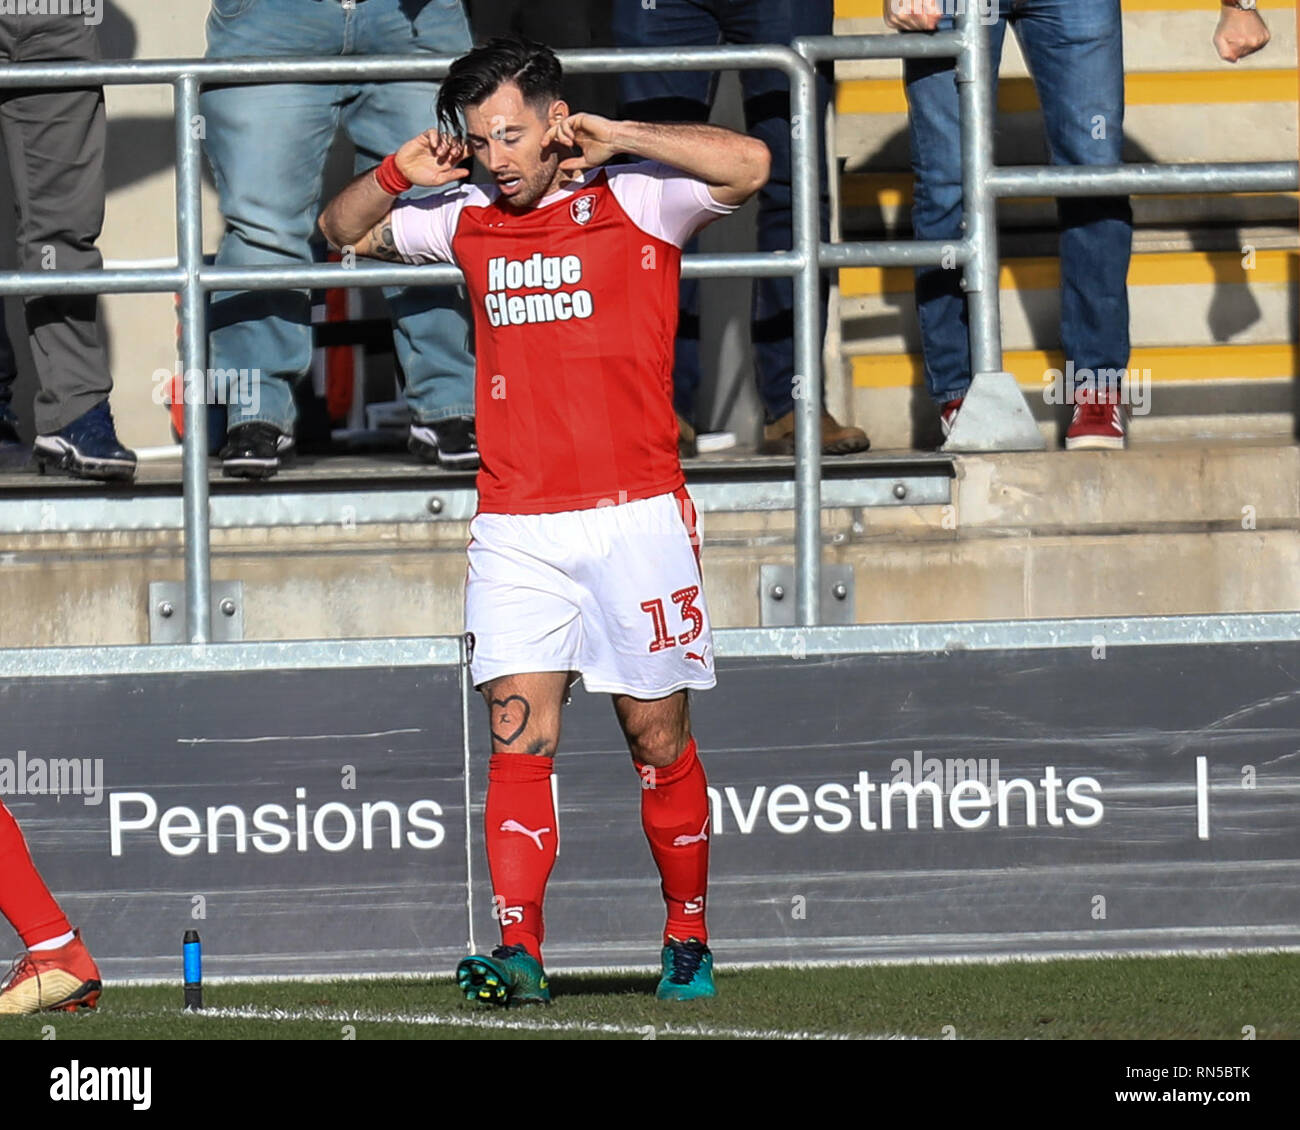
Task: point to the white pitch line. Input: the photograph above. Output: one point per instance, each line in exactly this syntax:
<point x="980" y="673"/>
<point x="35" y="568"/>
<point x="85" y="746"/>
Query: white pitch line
<point x="461" y="1021"/>
<point x="1038" y="957"/>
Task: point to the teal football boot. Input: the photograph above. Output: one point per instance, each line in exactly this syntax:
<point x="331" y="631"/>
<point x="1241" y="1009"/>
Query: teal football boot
<point x="510" y="976"/>
<point x="688" y="971"/>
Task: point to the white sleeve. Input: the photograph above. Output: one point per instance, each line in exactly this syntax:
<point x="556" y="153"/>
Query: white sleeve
<point x="665" y="202"/>
<point x="423" y="228"/>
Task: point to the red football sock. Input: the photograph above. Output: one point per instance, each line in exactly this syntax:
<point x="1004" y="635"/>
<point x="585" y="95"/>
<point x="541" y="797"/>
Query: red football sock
<point x="24" y="898"/>
<point x="675" y="816"/>
<point x="522" y="839"/>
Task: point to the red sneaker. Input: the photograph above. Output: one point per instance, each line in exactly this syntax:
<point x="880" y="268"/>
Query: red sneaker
<point x="1098" y="423"/>
<point x="948" y="415"/>
<point x="60" y="980"/>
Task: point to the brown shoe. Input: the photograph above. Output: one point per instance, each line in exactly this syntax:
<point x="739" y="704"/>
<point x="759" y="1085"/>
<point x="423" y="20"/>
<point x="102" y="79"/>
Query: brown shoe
<point x="778" y="438"/>
<point x="686" y="445"/>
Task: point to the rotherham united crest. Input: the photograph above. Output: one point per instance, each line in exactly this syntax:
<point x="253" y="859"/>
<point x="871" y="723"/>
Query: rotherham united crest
<point x="583" y="208"/>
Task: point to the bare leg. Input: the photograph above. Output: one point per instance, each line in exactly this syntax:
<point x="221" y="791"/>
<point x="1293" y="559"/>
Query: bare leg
<point x="657" y="730"/>
<point x="524" y="712"/>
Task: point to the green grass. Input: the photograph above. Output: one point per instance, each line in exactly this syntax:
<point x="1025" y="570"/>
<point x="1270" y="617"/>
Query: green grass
<point x="1086" y="999"/>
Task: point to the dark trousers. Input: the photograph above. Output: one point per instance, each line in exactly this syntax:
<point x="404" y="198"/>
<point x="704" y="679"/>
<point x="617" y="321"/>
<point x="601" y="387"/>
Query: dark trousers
<point x="8" y="366"/>
<point x="55" y="141"/>
<point x="688" y="96"/>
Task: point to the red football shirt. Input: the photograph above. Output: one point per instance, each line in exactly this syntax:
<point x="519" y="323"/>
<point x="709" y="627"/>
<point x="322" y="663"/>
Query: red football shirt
<point x="575" y="314"/>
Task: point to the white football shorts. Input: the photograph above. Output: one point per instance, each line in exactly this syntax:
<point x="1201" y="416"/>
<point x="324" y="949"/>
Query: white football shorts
<point x="611" y="592"/>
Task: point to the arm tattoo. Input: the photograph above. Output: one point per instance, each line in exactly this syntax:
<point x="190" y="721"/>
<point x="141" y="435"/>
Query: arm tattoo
<point x="382" y="244"/>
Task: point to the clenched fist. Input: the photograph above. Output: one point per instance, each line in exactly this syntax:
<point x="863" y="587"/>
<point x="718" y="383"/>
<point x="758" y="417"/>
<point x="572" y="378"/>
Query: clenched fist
<point x="913" y="15"/>
<point x="1241" y="32"/>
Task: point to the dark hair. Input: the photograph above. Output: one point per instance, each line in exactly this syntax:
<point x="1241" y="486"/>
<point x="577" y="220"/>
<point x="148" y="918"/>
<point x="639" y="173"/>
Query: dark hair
<point x="472" y="78"/>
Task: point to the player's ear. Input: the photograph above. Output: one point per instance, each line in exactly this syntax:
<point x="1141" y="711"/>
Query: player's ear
<point x="558" y="112"/>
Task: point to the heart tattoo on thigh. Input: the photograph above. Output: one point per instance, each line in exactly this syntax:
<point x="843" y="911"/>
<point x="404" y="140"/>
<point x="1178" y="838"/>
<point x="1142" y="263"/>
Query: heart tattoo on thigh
<point x="509" y="717"/>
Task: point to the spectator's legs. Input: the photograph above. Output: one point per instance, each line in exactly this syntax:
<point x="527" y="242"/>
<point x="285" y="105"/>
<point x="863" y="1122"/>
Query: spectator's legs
<point x="1076" y="53"/>
<point x="672" y="96"/>
<point x="431" y="329"/>
<point x="935" y="128"/>
<point x="767" y="117"/>
<point x="55" y="143"/>
<point x="267" y="147"/>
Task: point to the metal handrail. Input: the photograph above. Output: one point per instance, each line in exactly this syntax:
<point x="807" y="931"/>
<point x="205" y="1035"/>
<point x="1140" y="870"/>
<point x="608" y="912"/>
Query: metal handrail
<point x="976" y="253"/>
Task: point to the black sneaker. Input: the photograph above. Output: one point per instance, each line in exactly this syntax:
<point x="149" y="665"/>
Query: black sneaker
<point x="255" y="451"/>
<point x="450" y="443"/>
<point x="87" y="448"/>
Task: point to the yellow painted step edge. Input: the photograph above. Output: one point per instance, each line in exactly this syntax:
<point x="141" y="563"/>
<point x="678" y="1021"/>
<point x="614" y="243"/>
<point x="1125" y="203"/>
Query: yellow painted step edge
<point x="1168" y="365"/>
<point x="873" y="9"/>
<point x="1172" y="88"/>
<point x="1178" y="268"/>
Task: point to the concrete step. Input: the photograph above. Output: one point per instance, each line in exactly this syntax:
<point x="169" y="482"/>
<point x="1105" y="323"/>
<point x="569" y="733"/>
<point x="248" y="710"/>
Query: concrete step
<point x="878" y="202"/>
<point x="1211" y="124"/>
<point x="1162" y="133"/>
<point x="1201" y="299"/>
<point x="1160" y="529"/>
<point x="1192" y="399"/>
<point x="1072" y="576"/>
<point x="1213" y="331"/>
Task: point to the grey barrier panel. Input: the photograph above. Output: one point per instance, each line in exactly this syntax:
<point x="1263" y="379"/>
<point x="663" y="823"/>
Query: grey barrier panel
<point x="1113" y="863"/>
<point x="310" y="900"/>
<point x="1122" y="855"/>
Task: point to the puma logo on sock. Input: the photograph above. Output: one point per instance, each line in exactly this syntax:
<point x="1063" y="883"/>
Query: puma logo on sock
<point x="536" y="837"/>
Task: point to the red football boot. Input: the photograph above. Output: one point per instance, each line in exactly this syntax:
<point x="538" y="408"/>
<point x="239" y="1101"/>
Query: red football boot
<point x="61" y="980"/>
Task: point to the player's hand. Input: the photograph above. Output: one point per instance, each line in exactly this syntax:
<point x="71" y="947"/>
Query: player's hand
<point x="1241" y="32"/>
<point x="432" y="159"/>
<point x="913" y="15"/>
<point x="590" y="133"/>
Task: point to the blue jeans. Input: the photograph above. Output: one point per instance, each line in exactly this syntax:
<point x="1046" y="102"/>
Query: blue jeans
<point x="1075" y="52"/>
<point x="688" y="96"/>
<point x="267" y="146"/>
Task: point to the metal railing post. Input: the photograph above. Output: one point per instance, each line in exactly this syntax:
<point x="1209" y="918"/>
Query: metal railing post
<point x="980" y="280"/>
<point x="994" y="415"/>
<point x="806" y="190"/>
<point x="189" y="251"/>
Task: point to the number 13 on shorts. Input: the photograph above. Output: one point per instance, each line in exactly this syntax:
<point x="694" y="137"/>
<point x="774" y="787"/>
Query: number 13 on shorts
<point x="691" y="617"/>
